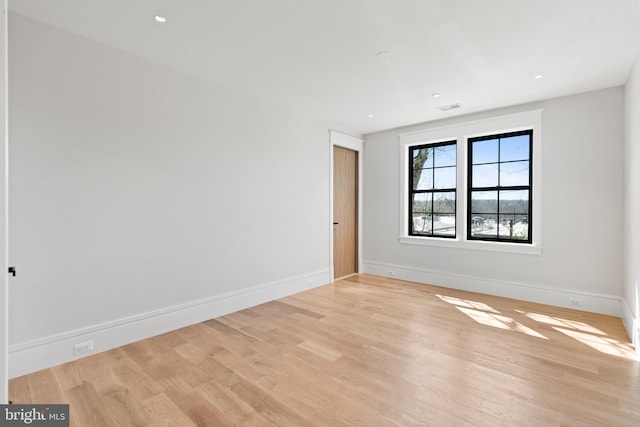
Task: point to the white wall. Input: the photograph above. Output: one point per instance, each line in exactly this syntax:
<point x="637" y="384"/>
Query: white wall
<point x="582" y="198"/>
<point x="143" y="199"/>
<point x="4" y="344"/>
<point x="632" y="205"/>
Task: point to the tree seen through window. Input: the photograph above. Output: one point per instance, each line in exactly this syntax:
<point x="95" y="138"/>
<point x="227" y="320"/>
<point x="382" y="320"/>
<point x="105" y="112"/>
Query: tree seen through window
<point x="433" y="190"/>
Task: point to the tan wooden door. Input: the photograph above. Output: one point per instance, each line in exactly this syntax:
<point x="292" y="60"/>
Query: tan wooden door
<point x="345" y="212"/>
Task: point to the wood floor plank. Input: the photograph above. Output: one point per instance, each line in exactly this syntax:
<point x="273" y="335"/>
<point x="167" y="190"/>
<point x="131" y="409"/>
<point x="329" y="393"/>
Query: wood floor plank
<point x="87" y="408"/>
<point x="20" y="390"/>
<point x="164" y="412"/>
<point x="364" y="351"/>
<point x="44" y="387"/>
<point x="237" y="411"/>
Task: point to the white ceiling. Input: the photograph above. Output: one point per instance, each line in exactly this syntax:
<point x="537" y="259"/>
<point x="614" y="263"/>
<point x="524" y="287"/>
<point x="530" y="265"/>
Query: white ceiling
<point x="319" y="57"/>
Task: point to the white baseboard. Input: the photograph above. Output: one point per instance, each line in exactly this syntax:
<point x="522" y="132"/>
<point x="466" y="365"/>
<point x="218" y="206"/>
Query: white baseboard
<point x="596" y="303"/>
<point x="49" y="351"/>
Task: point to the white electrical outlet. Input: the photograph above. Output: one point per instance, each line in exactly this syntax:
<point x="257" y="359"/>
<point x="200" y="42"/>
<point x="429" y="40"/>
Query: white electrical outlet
<point x="391" y="273"/>
<point x="83" y="348"/>
<point x="575" y="302"/>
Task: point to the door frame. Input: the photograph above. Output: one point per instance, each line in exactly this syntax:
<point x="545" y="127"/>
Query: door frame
<point x="338" y="139"/>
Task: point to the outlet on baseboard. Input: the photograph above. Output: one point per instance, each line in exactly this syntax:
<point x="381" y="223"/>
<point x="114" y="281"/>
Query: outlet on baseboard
<point x="575" y="302"/>
<point x="83" y="348"/>
<point x="390" y="272"/>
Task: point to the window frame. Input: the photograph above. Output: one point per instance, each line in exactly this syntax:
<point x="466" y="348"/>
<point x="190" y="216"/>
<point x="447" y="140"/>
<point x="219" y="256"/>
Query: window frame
<point x="461" y="130"/>
<point x="433" y="191"/>
<point x="498" y="188"/>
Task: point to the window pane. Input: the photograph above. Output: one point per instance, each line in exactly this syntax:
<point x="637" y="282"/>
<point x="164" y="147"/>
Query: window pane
<point x="484" y="226"/>
<point x="422" y="208"/>
<point x="445" y="177"/>
<point x="444" y="224"/>
<point x="422" y="224"/>
<point x="422" y="203"/>
<point x="422" y="157"/>
<point x="514" y="202"/>
<point x="433" y="179"/>
<point x="423" y="179"/>
<point x="477" y="221"/>
<point x="483" y="202"/>
<point x="511" y="227"/>
<point x="514" y="173"/>
<point x="505" y="226"/>
<point x="514" y="148"/>
<point x="485" y="176"/>
<point x="484" y="151"/>
<point x="444" y="155"/>
<point x="499" y="166"/>
<point x="444" y="202"/>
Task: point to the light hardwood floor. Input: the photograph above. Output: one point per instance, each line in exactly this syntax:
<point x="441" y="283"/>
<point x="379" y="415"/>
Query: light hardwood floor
<point x="365" y="351"/>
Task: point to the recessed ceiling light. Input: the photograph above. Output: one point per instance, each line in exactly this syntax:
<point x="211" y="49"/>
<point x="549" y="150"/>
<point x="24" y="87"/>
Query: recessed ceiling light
<point x="370" y="115"/>
<point x="436" y="95"/>
<point x="538" y="76"/>
<point x="160" y="19"/>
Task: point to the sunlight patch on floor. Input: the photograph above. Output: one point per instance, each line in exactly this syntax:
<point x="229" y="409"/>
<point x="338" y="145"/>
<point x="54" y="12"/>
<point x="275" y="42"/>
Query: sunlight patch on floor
<point x="580" y="331"/>
<point x="601" y="343"/>
<point x="499" y="321"/>
<point x="467" y="303"/>
<point x="563" y="323"/>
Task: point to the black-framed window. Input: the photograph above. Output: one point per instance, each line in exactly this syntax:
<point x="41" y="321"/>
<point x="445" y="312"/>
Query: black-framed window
<point x="432" y="189"/>
<point x="500" y="187"/>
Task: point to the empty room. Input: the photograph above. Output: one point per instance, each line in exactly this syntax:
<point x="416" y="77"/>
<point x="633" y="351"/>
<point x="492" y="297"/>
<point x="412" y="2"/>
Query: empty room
<point x="313" y="213"/>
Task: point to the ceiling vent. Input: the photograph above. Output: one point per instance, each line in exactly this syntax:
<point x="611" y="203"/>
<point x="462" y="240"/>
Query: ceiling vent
<point x="450" y="107"/>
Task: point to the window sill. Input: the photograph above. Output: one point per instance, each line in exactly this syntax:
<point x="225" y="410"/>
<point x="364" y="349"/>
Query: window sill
<point x="514" y="248"/>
